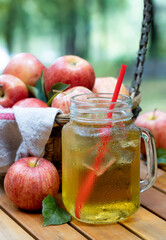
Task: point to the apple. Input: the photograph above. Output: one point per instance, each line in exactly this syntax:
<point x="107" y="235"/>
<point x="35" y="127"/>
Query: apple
<point x="27" y="184"/>
<point x="26" y="67"/>
<point x="12" y="89"/>
<point x="107" y="85"/>
<point x="155" y="122"/>
<point x="71" y="70"/>
<point x="31" y="102"/>
<point x="62" y="100"/>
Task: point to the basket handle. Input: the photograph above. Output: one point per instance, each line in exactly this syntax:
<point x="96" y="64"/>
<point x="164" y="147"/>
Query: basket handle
<point x="142" y="47"/>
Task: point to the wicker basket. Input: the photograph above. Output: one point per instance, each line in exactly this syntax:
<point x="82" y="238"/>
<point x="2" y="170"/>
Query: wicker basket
<point x="53" y="146"/>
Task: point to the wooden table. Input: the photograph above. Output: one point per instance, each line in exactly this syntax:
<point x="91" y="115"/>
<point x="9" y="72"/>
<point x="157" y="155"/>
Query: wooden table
<point x="149" y="222"/>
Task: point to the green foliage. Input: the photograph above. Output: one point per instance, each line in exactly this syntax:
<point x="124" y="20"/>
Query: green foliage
<point x="161" y="156"/>
<point x="105" y="5"/>
<point x="55" y="90"/>
<point x="38" y="91"/>
<point x="73" y="27"/>
<point x="53" y="215"/>
<point x="67" y="21"/>
<point x="153" y="94"/>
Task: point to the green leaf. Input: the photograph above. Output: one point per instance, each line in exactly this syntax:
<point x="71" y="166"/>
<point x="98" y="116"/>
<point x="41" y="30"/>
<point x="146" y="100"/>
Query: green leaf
<point x="53" y="215"/>
<point x="51" y="99"/>
<point x="57" y="86"/>
<point x="42" y="83"/>
<point x="38" y="90"/>
<point x="161" y="156"/>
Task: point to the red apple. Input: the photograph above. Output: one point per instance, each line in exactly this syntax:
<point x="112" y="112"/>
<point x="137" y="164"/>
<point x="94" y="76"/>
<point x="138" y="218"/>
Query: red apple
<point x="71" y="70"/>
<point x="62" y="100"/>
<point x="31" y="102"/>
<point x="12" y="89"/>
<point x="26" y="67"/>
<point x="107" y="85"/>
<point x="155" y="122"/>
<point x="27" y="185"/>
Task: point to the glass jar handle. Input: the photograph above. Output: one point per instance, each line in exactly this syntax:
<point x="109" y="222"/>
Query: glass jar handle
<point x="151" y="160"/>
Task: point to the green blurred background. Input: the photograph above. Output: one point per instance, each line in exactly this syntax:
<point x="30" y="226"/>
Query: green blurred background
<point x="104" y="32"/>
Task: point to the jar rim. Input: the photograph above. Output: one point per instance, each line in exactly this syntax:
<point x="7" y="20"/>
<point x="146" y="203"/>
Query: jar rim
<point x="101" y="96"/>
<point x="96" y="107"/>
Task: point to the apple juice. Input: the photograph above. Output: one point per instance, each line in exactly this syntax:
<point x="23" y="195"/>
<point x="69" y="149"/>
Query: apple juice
<point x="116" y="190"/>
<point x="101" y="159"/>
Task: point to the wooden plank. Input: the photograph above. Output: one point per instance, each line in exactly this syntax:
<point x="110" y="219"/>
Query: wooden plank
<point x="105" y="232"/>
<point x="143" y="223"/>
<point x="32" y="222"/>
<point x="155" y="201"/>
<point x="34" y="225"/>
<point x="10" y="229"/>
<point x="146" y="224"/>
<point x="160" y="182"/>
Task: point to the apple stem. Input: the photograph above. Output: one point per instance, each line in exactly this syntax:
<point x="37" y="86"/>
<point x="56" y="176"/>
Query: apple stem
<point x="1" y="91"/>
<point x="154" y="112"/>
<point x="73" y="63"/>
<point x="58" y="91"/>
<point x="38" y="158"/>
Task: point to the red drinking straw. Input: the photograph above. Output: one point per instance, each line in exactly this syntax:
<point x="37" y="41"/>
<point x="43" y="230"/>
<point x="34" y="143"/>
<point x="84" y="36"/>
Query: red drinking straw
<point x="87" y="185"/>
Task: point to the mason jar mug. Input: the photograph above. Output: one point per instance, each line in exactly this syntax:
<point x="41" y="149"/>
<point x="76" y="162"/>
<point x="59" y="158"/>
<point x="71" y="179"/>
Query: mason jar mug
<point x="101" y="159"/>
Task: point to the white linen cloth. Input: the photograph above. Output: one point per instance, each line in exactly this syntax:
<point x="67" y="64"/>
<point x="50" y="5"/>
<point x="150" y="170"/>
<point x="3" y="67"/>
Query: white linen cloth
<point x="24" y="132"/>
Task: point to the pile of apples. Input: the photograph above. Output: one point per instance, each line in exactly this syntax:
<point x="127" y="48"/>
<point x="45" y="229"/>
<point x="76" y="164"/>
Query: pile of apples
<point x="24" y="71"/>
<point x="29" y="180"/>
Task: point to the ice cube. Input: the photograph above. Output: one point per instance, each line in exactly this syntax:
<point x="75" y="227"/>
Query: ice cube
<point x="124" y="143"/>
<point x="99" y="159"/>
<point x="126" y="150"/>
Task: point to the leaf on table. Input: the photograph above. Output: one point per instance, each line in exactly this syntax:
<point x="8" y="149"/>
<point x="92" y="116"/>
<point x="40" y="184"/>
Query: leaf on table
<point x="53" y="215"/>
<point x="161" y="156"/>
<point x="60" y="87"/>
<point x="38" y="91"/>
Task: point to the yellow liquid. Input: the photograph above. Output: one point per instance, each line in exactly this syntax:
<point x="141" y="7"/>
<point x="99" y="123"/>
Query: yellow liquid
<point x="115" y="192"/>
